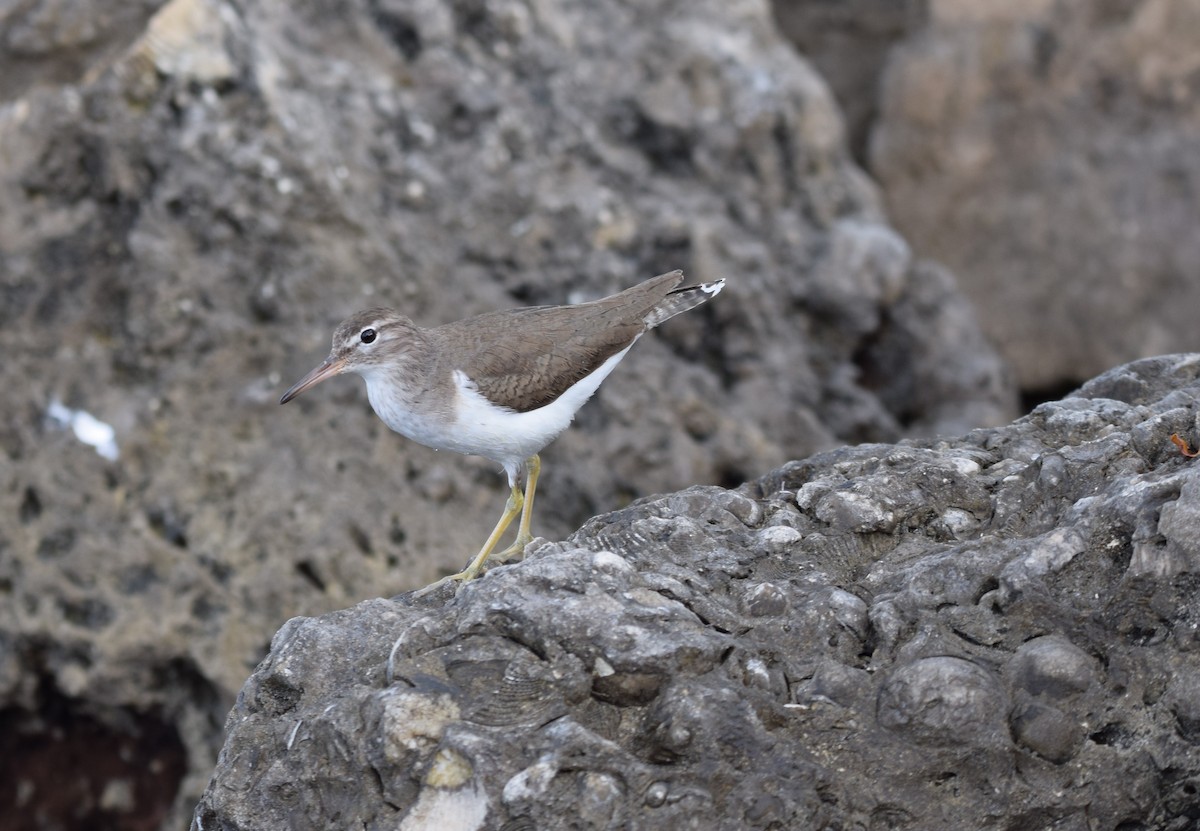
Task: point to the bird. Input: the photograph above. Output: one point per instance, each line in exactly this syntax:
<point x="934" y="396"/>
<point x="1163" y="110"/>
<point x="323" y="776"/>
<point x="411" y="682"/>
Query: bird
<point x="501" y="385"/>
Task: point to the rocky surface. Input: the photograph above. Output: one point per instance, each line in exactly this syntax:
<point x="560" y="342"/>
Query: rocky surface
<point x="193" y="193"/>
<point x="996" y="631"/>
<point x="1047" y="153"/>
<point x="849" y="42"/>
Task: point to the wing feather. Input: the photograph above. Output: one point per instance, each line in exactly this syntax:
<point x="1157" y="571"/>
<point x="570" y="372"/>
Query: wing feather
<point x="526" y="358"/>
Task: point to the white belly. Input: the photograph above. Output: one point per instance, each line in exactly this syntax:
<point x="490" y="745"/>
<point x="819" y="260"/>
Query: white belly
<point x="479" y="428"/>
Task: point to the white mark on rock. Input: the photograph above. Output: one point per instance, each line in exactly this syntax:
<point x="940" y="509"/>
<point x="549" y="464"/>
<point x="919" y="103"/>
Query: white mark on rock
<point x="87" y="428"/>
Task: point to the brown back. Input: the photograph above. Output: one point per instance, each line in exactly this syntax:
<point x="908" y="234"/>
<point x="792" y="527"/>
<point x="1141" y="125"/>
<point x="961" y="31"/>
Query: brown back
<point x="526" y="358"/>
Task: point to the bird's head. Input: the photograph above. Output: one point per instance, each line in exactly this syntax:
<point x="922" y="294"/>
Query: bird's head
<point x="363" y="342"/>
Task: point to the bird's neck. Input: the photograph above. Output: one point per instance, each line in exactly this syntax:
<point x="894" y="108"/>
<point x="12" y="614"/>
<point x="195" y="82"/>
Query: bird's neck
<point x="400" y="380"/>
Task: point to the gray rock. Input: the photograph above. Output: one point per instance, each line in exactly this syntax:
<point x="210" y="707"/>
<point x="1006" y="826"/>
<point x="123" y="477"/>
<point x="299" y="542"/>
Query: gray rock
<point x="943" y="700"/>
<point x="1183" y="700"/>
<point x="1052" y="667"/>
<point x="749" y="659"/>
<point x="1047" y="731"/>
<point x="1056" y="693"/>
<point x="849" y="42"/>
<point x="1041" y="151"/>
<point x="193" y="193"/>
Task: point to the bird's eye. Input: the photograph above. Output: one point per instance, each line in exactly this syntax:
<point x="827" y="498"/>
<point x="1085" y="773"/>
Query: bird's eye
<point x="367" y="336"/>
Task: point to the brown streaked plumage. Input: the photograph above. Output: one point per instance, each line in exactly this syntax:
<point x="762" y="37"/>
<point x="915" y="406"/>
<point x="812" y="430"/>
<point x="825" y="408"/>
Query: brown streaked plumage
<point x="501" y="385"/>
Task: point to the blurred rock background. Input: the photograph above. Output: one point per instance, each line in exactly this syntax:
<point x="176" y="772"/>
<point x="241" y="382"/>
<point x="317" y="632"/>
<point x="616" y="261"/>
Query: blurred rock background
<point x="1045" y="151"/>
<point x="193" y="193"/>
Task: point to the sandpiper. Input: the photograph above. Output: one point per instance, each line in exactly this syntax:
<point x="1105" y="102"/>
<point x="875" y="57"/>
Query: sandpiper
<point x="501" y="385"/>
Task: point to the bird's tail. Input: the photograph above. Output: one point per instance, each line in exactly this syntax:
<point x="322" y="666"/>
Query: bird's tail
<point x="680" y="300"/>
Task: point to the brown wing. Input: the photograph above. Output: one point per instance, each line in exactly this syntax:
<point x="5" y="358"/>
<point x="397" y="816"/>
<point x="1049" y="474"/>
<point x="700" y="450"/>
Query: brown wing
<point x="526" y="358"/>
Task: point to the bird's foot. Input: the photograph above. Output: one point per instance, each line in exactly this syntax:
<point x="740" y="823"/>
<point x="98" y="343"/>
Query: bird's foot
<point x="517" y="549"/>
<point x="472" y="571"/>
<point x="463" y="576"/>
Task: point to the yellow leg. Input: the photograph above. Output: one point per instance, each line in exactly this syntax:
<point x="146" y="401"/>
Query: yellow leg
<point x="511" y="509"/>
<point x="533" y="467"/>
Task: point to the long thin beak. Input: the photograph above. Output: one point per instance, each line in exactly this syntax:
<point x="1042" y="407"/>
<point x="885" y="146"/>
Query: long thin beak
<point x="328" y="369"/>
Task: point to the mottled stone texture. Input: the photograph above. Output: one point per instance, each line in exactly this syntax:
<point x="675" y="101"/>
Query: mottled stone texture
<point x="849" y="42"/>
<point x="193" y="193"/>
<point x="1045" y="151"/>
<point x="997" y="631"/>
<point x="1048" y="153"/>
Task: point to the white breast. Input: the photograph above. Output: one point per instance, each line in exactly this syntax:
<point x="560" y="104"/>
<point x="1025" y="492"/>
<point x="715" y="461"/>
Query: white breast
<point x="480" y="428"/>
